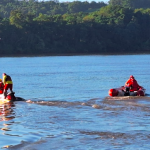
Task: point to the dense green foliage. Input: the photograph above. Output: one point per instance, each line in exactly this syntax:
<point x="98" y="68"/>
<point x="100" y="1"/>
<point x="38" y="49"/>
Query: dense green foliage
<point x="111" y="29"/>
<point x="47" y="7"/>
<point x="131" y="3"/>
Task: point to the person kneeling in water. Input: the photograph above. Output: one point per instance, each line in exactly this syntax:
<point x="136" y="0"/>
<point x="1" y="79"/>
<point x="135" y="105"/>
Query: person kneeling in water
<point x="8" y="84"/>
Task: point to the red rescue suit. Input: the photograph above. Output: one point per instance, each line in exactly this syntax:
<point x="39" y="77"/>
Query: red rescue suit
<point x="132" y="83"/>
<point x="1" y="87"/>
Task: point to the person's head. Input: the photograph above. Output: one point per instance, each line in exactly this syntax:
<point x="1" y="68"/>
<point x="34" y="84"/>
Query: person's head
<point x="4" y="74"/>
<point x="0" y="80"/>
<point x="131" y="77"/>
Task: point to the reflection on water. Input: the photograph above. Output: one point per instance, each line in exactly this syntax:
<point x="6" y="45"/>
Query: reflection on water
<point x="6" y="111"/>
<point x="6" y="114"/>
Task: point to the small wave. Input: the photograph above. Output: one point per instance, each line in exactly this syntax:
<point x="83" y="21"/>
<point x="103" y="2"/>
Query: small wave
<point x="127" y="98"/>
<point x="91" y="102"/>
<point x="57" y="103"/>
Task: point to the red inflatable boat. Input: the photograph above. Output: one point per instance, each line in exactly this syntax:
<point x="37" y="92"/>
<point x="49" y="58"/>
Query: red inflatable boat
<point x="125" y="91"/>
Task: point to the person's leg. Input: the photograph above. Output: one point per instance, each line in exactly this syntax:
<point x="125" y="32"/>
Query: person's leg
<point x="11" y="86"/>
<point x="5" y="90"/>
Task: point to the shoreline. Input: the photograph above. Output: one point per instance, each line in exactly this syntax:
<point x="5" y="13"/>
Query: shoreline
<point x="71" y="54"/>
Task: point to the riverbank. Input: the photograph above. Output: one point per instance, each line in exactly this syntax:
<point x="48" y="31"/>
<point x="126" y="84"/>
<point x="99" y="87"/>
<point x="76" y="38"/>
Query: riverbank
<point x="71" y="54"/>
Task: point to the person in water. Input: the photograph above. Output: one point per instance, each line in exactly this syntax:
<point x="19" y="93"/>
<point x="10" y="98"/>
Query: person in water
<point x="1" y="87"/>
<point x="132" y="84"/>
<point x="8" y="84"/>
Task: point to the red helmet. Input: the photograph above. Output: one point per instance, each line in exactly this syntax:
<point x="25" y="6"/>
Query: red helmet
<point x="131" y="76"/>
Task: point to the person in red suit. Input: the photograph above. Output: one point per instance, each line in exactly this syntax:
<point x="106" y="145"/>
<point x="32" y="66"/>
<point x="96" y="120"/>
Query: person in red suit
<point x="8" y="84"/>
<point x="132" y="84"/>
<point x="1" y="87"/>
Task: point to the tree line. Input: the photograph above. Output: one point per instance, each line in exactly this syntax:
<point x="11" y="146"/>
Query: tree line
<point x="108" y="30"/>
<point x="47" y="7"/>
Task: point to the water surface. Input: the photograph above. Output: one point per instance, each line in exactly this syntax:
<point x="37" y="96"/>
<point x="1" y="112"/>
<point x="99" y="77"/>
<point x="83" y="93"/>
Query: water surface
<point x="71" y="108"/>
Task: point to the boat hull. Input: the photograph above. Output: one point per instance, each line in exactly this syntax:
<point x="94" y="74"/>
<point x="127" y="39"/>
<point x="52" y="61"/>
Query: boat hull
<point x="122" y="92"/>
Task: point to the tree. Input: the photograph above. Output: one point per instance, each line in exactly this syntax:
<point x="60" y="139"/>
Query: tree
<point x="17" y="18"/>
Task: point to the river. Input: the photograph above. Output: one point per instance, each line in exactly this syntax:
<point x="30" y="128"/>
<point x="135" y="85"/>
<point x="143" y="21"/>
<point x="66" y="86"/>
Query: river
<point x="71" y="109"/>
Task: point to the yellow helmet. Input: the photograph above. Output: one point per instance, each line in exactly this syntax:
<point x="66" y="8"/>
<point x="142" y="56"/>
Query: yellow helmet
<point x="0" y="80"/>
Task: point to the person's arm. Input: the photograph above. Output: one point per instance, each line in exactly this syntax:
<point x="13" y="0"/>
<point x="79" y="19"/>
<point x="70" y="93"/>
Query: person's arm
<point x="127" y="83"/>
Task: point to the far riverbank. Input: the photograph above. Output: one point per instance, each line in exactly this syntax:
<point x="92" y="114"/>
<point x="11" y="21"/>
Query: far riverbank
<point x="70" y="54"/>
